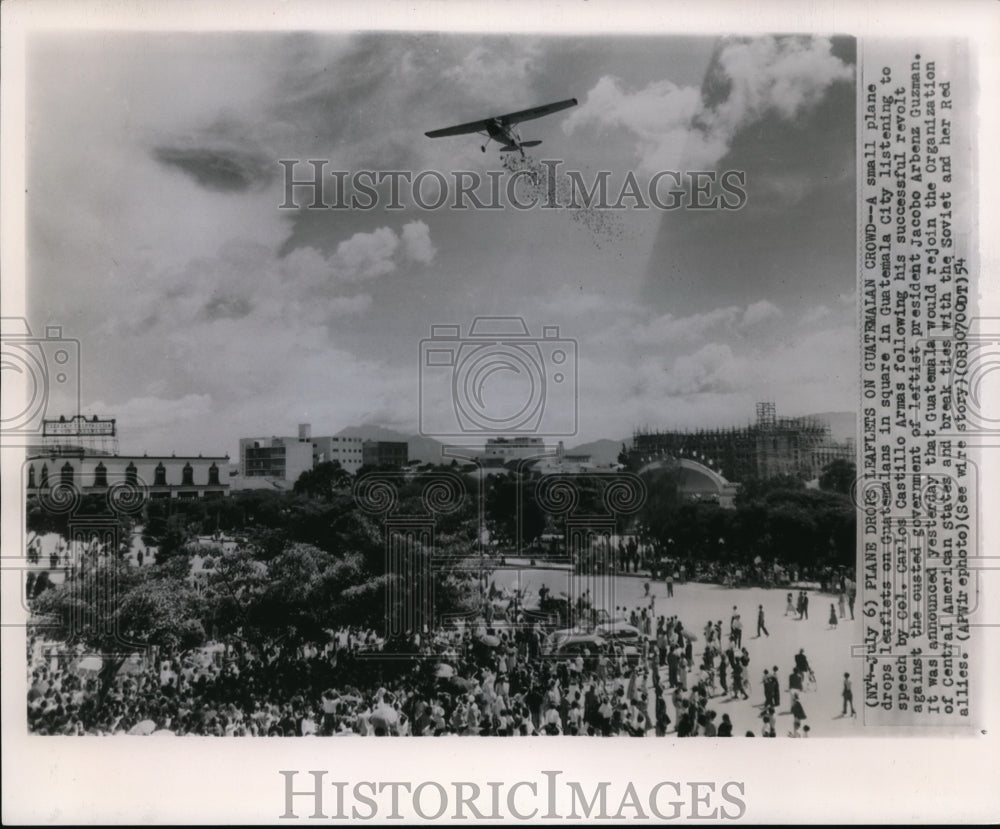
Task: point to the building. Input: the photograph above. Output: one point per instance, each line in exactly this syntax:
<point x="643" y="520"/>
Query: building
<point x="281" y="458"/>
<point x="160" y="476"/>
<point x="565" y="463"/>
<point x="82" y="453"/>
<point x="344" y="450"/>
<point x="772" y="446"/>
<point x="516" y="448"/>
<point x="277" y="461"/>
<point x="385" y="453"/>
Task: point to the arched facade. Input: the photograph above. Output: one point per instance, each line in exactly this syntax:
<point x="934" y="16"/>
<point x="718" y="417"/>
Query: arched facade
<point x="697" y="480"/>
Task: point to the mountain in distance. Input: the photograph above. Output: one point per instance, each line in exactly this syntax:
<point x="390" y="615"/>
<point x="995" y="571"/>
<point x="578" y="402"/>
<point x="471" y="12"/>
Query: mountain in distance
<point x="602" y="452"/>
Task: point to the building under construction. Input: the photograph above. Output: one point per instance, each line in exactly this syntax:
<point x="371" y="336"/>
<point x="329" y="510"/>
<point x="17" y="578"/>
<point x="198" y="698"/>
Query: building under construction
<point x="773" y="446"/>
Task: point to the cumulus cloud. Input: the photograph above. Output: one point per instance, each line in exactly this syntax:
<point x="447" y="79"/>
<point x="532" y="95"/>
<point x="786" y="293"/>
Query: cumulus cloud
<point x="417" y="242"/>
<point x="572" y="301"/>
<point x="365" y="256"/>
<point x="781" y="74"/>
<point x="194" y="319"/>
<point x="504" y="64"/>
<point x="247" y="280"/>
<point x="659" y="115"/>
<point x="670" y="329"/>
<point x="679" y="128"/>
<point x="712" y="368"/>
<point x="814" y="315"/>
<point x="760" y="311"/>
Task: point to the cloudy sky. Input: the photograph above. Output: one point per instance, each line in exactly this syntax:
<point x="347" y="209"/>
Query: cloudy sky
<point x="205" y="312"/>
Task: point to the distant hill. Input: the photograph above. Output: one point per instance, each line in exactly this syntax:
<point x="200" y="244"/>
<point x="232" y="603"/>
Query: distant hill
<point x="602" y="452"/>
<point x="843" y="425"/>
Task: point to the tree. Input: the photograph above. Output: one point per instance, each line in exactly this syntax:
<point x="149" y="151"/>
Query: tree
<point x="503" y="513"/>
<point x="838" y="476"/>
<point x="658" y="514"/>
<point x="43" y="518"/>
<point x="323" y="481"/>
<point x="753" y="489"/>
<point x="117" y="610"/>
<point x="171" y="538"/>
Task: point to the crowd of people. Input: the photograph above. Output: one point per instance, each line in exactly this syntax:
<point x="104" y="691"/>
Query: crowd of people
<point x="632" y="558"/>
<point x="465" y="680"/>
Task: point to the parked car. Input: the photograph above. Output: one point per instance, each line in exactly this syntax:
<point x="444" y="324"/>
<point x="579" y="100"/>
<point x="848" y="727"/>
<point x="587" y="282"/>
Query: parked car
<point x="623" y="634"/>
<point x="587" y="645"/>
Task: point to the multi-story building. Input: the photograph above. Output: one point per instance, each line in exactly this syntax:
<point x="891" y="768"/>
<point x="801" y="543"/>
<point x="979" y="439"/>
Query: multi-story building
<point x="385" y="453"/>
<point x="278" y="461"/>
<point x="346" y="451"/>
<point x="281" y="458"/>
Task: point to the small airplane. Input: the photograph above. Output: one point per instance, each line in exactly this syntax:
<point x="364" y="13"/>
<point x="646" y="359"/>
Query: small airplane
<point x="500" y="127"/>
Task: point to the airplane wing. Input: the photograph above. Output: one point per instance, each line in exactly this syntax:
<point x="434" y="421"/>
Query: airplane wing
<point x="461" y="129"/>
<point x="510" y="118"/>
<point x="537" y="112"/>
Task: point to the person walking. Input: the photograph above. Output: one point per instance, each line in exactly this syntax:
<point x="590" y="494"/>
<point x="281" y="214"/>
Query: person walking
<point x="673" y="657"/>
<point x="833" y="617"/>
<point x="767" y="688"/>
<point x="739" y="678"/>
<point x="798" y="712"/>
<point x="789" y="605"/>
<point x="848" y="694"/>
<point x="670" y="584"/>
<point x="760" y="622"/>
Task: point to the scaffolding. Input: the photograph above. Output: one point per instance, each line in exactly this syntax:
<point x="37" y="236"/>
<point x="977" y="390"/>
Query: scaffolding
<point x="766" y="414"/>
<point x="770" y="447"/>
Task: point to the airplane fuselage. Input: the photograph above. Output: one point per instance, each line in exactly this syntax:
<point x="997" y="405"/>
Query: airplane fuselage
<point x="503" y="135"/>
